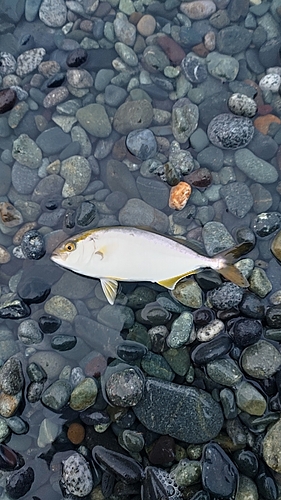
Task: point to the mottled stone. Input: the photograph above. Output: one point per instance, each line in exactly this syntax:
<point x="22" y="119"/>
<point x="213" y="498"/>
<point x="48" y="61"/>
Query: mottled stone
<point x="238" y="198"/>
<point x="230" y="132"/>
<point x="76" y="476"/>
<point x="272" y="446"/>
<point x="55" y="97"/>
<point x="77" y="173"/>
<point x="94" y="119"/>
<point x="9" y="215"/>
<point x="242" y="105"/>
<point x="185" y="116"/>
<point x="198" y="9"/>
<point x="261" y="360"/>
<point x="249" y="399"/>
<point x="84" y="394"/>
<point x="28" y="61"/>
<point x="61" y="308"/>
<point x="26" y="151"/>
<point x="185" y="413"/>
<point x="133" y="115"/>
<point x="224" y="68"/>
<point x="53" y="13"/>
<point x="57" y="395"/>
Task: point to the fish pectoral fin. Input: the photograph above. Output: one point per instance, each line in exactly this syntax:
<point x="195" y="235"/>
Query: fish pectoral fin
<point x="233" y="274"/>
<point x="171" y="282"/>
<point x="109" y="287"/>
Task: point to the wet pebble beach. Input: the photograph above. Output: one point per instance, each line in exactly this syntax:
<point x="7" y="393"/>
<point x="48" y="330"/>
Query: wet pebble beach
<point x="164" y="115"/>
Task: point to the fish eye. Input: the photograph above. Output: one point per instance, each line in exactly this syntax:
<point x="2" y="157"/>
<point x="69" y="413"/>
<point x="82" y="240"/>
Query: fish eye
<point x="70" y="246"/>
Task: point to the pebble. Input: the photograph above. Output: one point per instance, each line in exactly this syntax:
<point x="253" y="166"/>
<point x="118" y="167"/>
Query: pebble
<point x="261" y="360"/>
<point x="76" y="58"/>
<point x="224" y="372"/>
<point x="52" y="141"/>
<point x="77" y="173"/>
<point x="230" y="132"/>
<point x="138" y="213"/>
<point x="94" y="119"/>
<point x="33" y="290"/>
<point x="84" y="394"/>
<point x="79" y="78"/>
<point x="179" y="195"/>
<point x="57" y="395"/>
<point x="133" y="115"/>
<point x="76" y="476"/>
<point x="216" y="238"/>
<point x="26" y="151"/>
<point x="198" y="9"/>
<point x="9" y="215"/>
<point x="76" y="433"/>
<point x="128" y="470"/>
<point x="114" y="96"/>
<point x="249" y="399"/>
<point x="201" y="420"/>
<point x="216" y="463"/>
<point x="238" y="198"/>
<point x="142" y="144"/>
<point x="210" y="331"/>
<point x="233" y="39"/>
<point x="226" y="296"/>
<point x="242" y="105"/>
<point x="29" y="60"/>
<point x="224" y="68"/>
<point x="259" y="282"/>
<point x="11" y="377"/>
<point x="276" y="246"/>
<point x="255" y="168"/>
<point x="11" y="307"/>
<point x="53" y="13"/>
<point x="188" y="293"/>
<point x="185" y="116"/>
<point x="8" y="99"/>
<point x="60" y="307"/>
<point x="157" y="366"/>
<point x="123" y="386"/>
<point x="153" y="192"/>
<point x="193" y="69"/>
<point x="263" y="123"/>
<point x="29" y="332"/>
<point x="8" y="64"/>
<point x="124" y="30"/>
<point x="271" y="447"/>
<point x="33" y="245"/>
<point x="19" y="482"/>
<point x="270" y="82"/>
<point x="246" y="331"/>
<point x="55" y="97"/>
<point x="146" y="25"/>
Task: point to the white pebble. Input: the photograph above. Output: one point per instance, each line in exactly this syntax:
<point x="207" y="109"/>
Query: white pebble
<point x="208" y="332"/>
<point x="270" y="82"/>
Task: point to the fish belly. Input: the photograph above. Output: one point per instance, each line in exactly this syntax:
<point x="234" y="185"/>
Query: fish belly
<point x="143" y="256"/>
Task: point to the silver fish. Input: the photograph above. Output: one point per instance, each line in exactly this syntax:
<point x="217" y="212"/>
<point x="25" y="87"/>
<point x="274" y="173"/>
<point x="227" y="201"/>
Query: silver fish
<point x="120" y="253"/>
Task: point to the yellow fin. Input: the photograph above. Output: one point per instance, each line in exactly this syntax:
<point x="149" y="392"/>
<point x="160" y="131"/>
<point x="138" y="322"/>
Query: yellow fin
<point x="233" y="274"/>
<point x="171" y="282"/>
<point x="109" y="287"/>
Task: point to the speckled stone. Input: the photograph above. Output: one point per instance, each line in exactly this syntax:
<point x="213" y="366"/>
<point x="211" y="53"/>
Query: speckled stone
<point x="55" y="97"/>
<point x="242" y="105"/>
<point x="77" y="173"/>
<point x="216" y="237"/>
<point x="198" y="9"/>
<point x="26" y="151"/>
<point x="185" y="116"/>
<point x="29" y="60"/>
<point x="259" y="282"/>
<point x="238" y="198"/>
<point x="198" y="417"/>
<point x="255" y="168"/>
<point x="94" y="119"/>
<point x="261" y="360"/>
<point x="224" y="372"/>
<point x="76" y="476"/>
<point x="230" y="132"/>
<point x="180" y="330"/>
<point x="57" y="395"/>
<point x="222" y="67"/>
<point x="61" y="308"/>
<point x="249" y="399"/>
<point x="272" y="446"/>
<point x="53" y="13"/>
<point x="84" y="394"/>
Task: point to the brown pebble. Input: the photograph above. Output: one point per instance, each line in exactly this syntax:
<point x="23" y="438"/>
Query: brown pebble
<point x="4" y="255"/>
<point x="19" y="234"/>
<point x="135" y="17"/>
<point x="171" y="48"/>
<point x="200" y="178"/>
<point x="9" y="215"/>
<point x="7" y="100"/>
<point x="179" y="195"/>
<point x="146" y="25"/>
<point x="55" y="97"/>
<point x="200" y="50"/>
<point x="162" y="451"/>
<point x="96" y="365"/>
<point x="265" y="109"/>
<point x="86" y="25"/>
<point x="262" y="123"/>
<point x="76" y="433"/>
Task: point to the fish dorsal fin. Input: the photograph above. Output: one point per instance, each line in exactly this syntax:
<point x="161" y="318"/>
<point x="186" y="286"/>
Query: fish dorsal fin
<point x="171" y="282"/>
<point x="109" y="287"/>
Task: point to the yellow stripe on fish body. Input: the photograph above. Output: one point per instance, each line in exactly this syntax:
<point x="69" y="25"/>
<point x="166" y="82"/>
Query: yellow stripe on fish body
<point x="131" y="254"/>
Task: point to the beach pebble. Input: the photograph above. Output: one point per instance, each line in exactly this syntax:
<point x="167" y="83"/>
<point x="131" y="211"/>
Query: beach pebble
<point x="24" y="179"/>
<point x="50" y="361"/>
<point x="216" y="461"/>
<point x="76" y="476"/>
<point x="53" y="13"/>
<point x="138" y="213"/>
<point x="9" y="215"/>
<point x="233" y="39"/>
<point x="7" y="64"/>
<point x="193" y="69"/>
<point x="146" y="25"/>
<point x="133" y="115"/>
<point x="210" y="331"/>
<point x="57" y="395"/>
<point x="180" y="331"/>
<point x="28" y="61"/>
<point x="114" y="96"/>
<point x="55" y="97"/>
<point x="124" y="387"/>
<point x="29" y="332"/>
<point x="226" y="296"/>
<point x="11" y="377"/>
<point x="33" y="245"/>
<point x="142" y="144"/>
<point x="230" y="132"/>
<point x="179" y="195"/>
<point x="19" y="482"/>
<point x="84" y="394"/>
<point x="198" y="9"/>
<point x="238" y="198"/>
<point x="77" y="173"/>
<point x="222" y="67"/>
<point x="216" y="237"/>
<point x="26" y="151"/>
<point x="124" y="30"/>
<point x="249" y="399"/>
<point x="185" y="116"/>
<point x="60" y="307"/>
<point x="7" y="100"/>
<point x="255" y="168"/>
<point x="242" y="105"/>
<point x="270" y="82"/>
<point x="272" y="446"/>
<point x="261" y="360"/>
<point x="94" y="119"/>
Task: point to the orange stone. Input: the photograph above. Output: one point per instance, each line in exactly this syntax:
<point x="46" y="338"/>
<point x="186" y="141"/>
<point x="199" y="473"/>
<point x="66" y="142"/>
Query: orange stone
<point x="179" y="195"/>
<point x="262" y="123"/>
<point x="76" y="433"/>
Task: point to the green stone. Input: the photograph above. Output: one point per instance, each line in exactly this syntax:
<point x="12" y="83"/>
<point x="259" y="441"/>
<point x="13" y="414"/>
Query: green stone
<point x="224" y="372"/>
<point x="188" y="293"/>
<point x="187" y="472"/>
<point x="178" y="359"/>
<point x="261" y="360"/>
<point x="180" y="331"/>
<point x="93" y="118"/>
<point x="156" y="366"/>
<point x="259" y="282"/>
<point x="272" y="447"/>
<point x="84" y="394"/>
<point x="249" y="399"/>
<point x="247" y="489"/>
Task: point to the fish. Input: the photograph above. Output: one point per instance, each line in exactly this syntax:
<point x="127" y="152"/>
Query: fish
<point x="123" y="253"/>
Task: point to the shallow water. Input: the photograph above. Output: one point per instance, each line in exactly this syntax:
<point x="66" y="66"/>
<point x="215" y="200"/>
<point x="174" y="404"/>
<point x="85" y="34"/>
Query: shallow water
<point x="72" y="159"/>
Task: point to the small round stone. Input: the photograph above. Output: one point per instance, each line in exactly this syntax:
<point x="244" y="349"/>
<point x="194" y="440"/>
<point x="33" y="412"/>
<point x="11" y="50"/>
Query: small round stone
<point x="19" y="482"/>
<point x="11" y="377"/>
<point x="9" y="215"/>
<point x="60" y="307"/>
<point x="230" y="132"/>
<point x="57" y="395"/>
<point x="49" y="324"/>
<point x="146" y="25"/>
<point x="142" y="144"/>
<point x="7" y="100"/>
<point x="198" y="9"/>
<point x="261" y="360"/>
<point x="249" y="399"/>
<point x="76" y="476"/>
<point x="179" y="195"/>
<point x="84" y="394"/>
<point x="210" y="331"/>
<point x="246" y="332"/>
<point x="33" y="245"/>
<point x="242" y="105"/>
<point x="224" y="372"/>
<point x="270" y="82"/>
<point x="76" y="433"/>
<point x="193" y="69"/>
<point x="226" y="296"/>
<point x="29" y="332"/>
<point x="124" y="388"/>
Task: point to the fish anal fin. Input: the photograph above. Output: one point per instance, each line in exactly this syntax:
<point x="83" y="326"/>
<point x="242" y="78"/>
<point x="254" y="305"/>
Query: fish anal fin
<point x="233" y="274"/>
<point x="171" y="282"/>
<point x="109" y="287"/>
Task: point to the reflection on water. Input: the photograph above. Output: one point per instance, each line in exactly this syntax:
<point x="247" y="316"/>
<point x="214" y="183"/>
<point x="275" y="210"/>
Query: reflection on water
<point x="165" y="116"/>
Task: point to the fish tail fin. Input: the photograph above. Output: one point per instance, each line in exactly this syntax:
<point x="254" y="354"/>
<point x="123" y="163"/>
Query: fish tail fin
<point x="225" y="266"/>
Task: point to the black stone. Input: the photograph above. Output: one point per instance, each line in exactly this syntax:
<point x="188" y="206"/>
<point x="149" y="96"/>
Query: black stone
<point x="34" y="391"/>
<point x="208" y="279"/>
<point x="14" y="308"/>
<point x="203" y="316"/>
<point x="63" y="342"/>
<point x="20" y="482"/>
<point x="9" y="459"/>
<point x="246" y="462"/>
<point x="269" y="53"/>
<point x="208" y="351"/>
<point x="124" y="467"/>
<point x="266" y="223"/>
<point x="90" y="417"/>
<point x="233" y="39"/>
<point x="194" y="71"/>
<point x="189" y="36"/>
<point x="33" y="245"/>
<point x="54" y="81"/>
<point x="251" y="306"/>
<point x="246" y="332"/>
<point x="265" y="482"/>
<point x="131" y="351"/>
<point x="76" y="58"/>
<point x="69" y="218"/>
<point x="33" y="290"/>
<point x="49" y="324"/>
<point x="219" y="474"/>
<point x="86" y="214"/>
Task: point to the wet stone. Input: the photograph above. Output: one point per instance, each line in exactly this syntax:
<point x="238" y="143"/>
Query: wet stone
<point x="224" y="372"/>
<point x="238" y="198"/>
<point x="125" y="468"/>
<point x="193" y="69"/>
<point x="242" y="105"/>
<point x="94" y="119"/>
<point x="180" y="331"/>
<point x="255" y="168"/>
<point x="261" y="360"/>
<point x="19" y="482"/>
<point x="49" y="324"/>
<point x="33" y="290"/>
<point x="200" y="420"/>
<point x="138" y="213"/>
<point x="124" y="388"/>
<point x="216" y="237"/>
<point x="226" y="296"/>
<point x="7" y="100"/>
<point x="57" y="395"/>
<point x="156" y="366"/>
<point x="142" y="144"/>
<point x="53" y="13"/>
<point x="216" y="348"/>
<point x="60" y="307"/>
<point x="53" y="141"/>
<point x="271" y="447"/>
<point x="227" y="400"/>
<point x="188" y="293"/>
<point x="230" y="132"/>
<point x="12" y="307"/>
<point x="29" y="60"/>
<point x="29" y="332"/>
<point x="233" y="39"/>
<point x="26" y="152"/>
<point x="76" y="476"/>
<point x="259" y="282"/>
<point x="33" y="245"/>
<point x="130" y="351"/>
<point x="153" y="192"/>
<point x="24" y="179"/>
<point x="133" y="115"/>
<point x="114" y="96"/>
<point x="249" y="399"/>
<point x="198" y="9"/>
<point x="209" y="331"/>
<point x="9" y="215"/>
<point x="84" y="394"/>
<point x="86" y="214"/>
<point x="11" y="377"/>
<point x="246" y="332"/>
<point x="76" y="57"/>
<point x="217" y="464"/>
<point x="77" y="173"/>
<point x="185" y="116"/>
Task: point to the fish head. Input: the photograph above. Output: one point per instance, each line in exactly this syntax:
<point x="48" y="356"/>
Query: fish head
<point x="75" y="253"/>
